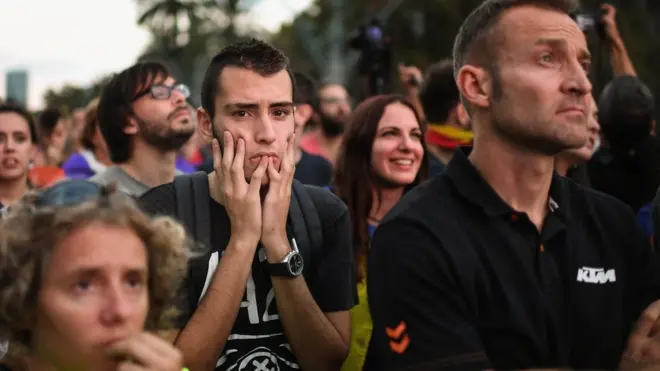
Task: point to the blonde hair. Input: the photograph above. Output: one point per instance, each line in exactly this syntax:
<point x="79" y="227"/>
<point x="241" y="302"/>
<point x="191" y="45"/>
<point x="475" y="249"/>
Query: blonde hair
<point x="29" y="235"/>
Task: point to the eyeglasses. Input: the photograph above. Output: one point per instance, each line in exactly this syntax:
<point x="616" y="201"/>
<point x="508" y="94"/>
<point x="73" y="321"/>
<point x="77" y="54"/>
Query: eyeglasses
<point x="71" y="192"/>
<point x="162" y="91"/>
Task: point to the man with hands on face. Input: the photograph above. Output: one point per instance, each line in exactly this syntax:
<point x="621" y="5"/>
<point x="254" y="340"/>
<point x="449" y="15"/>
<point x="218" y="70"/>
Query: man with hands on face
<point x="256" y="311"/>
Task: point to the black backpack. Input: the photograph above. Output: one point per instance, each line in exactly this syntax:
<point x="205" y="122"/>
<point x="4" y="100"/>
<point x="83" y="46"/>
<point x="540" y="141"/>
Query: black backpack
<point x="192" y="209"/>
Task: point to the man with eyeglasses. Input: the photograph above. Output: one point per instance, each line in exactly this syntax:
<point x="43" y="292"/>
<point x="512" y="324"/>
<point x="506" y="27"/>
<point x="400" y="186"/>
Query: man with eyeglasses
<point x="145" y="120"/>
<point x="334" y="111"/>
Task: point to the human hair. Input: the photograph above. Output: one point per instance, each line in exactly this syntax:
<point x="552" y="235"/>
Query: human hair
<point x="116" y="105"/>
<point x="19" y="110"/>
<point x="90" y="125"/>
<point x="439" y="93"/>
<point x="626" y="112"/>
<point x="355" y="178"/>
<point x="479" y="39"/>
<point x="47" y="122"/>
<point x="30" y="233"/>
<point x="306" y="90"/>
<point x="254" y="55"/>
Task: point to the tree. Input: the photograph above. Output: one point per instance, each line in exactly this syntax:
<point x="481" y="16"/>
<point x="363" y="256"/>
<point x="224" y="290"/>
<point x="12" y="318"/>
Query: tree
<point x="187" y="33"/>
<point x="70" y="96"/>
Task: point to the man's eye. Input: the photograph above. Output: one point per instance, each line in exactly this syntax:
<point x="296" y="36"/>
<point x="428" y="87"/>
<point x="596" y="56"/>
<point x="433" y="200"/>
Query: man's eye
<point x="547" y="57"/>
<point x="240" y="113"/>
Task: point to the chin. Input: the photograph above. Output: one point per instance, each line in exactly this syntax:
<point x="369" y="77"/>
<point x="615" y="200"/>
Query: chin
<point x="10" y="176"/>
<point x="401" y="180"/>
<point x="583" y="154"/>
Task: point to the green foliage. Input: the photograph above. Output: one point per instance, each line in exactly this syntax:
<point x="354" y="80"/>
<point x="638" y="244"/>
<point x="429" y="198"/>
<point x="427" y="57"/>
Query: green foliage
<point x="423" y="32"/>
<point x="70" y="96"/>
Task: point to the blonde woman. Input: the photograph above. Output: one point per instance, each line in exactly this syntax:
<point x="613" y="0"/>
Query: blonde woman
<point x="85" y="280"/>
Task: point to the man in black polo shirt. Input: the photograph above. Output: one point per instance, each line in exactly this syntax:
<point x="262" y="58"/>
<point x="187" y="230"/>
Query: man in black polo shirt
<point x="500" y="263"/>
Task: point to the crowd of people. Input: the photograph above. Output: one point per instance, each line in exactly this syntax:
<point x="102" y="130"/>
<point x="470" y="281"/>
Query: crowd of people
<point x="496" y="215"/>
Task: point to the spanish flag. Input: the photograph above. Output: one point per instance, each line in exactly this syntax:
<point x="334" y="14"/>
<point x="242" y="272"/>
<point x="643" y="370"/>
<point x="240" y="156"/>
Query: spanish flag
<point x="448" y="136"/>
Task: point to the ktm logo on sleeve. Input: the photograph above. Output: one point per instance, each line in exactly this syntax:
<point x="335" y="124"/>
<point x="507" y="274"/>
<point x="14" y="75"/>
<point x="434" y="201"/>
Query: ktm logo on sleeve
<point x="399" y="340"/>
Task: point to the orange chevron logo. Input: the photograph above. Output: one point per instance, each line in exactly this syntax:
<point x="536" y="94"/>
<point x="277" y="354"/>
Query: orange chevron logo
<point x="396" y="332"/>
<point x="401" y="346"/>
<point x="398" y="344"/>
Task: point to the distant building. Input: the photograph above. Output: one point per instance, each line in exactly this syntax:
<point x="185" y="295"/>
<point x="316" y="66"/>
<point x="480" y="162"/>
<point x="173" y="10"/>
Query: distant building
<point x="16" y="86"/>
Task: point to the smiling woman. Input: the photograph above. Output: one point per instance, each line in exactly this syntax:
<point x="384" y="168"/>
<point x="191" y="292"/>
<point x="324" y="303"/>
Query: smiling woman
<point x="382" y="156"/>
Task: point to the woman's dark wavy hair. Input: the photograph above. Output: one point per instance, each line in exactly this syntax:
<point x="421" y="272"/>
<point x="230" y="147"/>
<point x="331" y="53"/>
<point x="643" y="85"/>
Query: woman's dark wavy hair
<point x="354" y="176"/>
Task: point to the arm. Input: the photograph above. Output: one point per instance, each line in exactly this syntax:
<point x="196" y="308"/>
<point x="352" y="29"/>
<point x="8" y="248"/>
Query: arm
<point x="621" y="63"/>
<point x="643" y="346"/>
<point x="204" y="336"/>
<point x="317" y="322"/>
<point x="411" y="78"/>
<point x="319" y="340"/>
<point x="421" y="317"/>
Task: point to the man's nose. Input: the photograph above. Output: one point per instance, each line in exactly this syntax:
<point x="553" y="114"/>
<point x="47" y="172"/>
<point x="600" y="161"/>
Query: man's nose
<point x="266" y="129"/>
<point x="578" y="83"/>
<point x="177" y="97"/>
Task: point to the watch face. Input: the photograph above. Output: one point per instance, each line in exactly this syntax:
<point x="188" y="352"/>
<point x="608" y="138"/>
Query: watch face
<point x="296" y="264"/>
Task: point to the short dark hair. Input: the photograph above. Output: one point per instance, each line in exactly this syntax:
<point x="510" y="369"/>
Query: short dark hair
<point x="254" y="55"/>
<point x="48" y="119"/>
<point x="439" y="93"/>
<point x="116" y="105"/>
<point x="306" y="90"/>
<point x="19" y="110"/>
<point x="626" y="112"/>
<point x="476" y="40"/>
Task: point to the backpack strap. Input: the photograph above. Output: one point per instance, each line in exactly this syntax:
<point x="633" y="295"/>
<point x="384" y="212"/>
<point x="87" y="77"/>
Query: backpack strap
<point x="193" y="210"/>
<point x="307" y="227"/>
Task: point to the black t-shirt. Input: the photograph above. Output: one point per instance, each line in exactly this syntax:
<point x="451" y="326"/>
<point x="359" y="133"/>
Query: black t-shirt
<point x="435" y="166"/>
<point x="458" y="280"/>
<point x="257" y="338"/>
<point x="314" y="170"/>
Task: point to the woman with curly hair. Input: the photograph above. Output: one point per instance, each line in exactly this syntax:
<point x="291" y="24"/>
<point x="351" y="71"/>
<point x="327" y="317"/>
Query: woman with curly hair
<point x="85" y="279"/>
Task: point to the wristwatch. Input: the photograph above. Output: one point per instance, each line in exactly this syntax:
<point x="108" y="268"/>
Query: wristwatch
<point x="291" y="266"/>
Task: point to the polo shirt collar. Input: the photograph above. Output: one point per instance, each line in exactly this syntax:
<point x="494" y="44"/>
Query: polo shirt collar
<point x="475" y="189"/>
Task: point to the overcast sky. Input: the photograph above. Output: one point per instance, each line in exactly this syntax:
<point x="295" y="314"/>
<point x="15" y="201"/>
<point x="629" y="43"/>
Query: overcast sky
<point x="76" y="41"/>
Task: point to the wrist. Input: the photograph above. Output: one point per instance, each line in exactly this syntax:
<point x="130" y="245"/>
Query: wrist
<point x="615" y="40"/>
<point x="277" y="247"/>
<point x="242" y="243"/>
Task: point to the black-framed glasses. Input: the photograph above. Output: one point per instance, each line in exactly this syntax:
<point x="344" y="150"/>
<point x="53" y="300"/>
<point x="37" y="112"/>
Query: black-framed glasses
<point x="162" y="91"/>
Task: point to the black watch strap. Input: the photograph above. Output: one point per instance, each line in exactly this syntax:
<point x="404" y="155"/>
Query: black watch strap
<point x="279" y="270"/>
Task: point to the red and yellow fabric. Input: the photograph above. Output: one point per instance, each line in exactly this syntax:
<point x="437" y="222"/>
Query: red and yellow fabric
<point x="448" y="136"/>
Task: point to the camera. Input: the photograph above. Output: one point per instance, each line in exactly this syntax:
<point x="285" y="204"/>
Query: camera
<point x="589" y="18"/>
<point x="374" y="47"/>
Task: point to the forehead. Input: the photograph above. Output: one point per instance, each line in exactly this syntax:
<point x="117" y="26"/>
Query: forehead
<point x="12" y="121"/>
<point x="333" y="90"/>
<point x="98" y="245"/>
<point x="398" y="115"/>
<point x="155" y="80"/>
<point x="243" y="85"/>
<point x="521" y="26"/>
